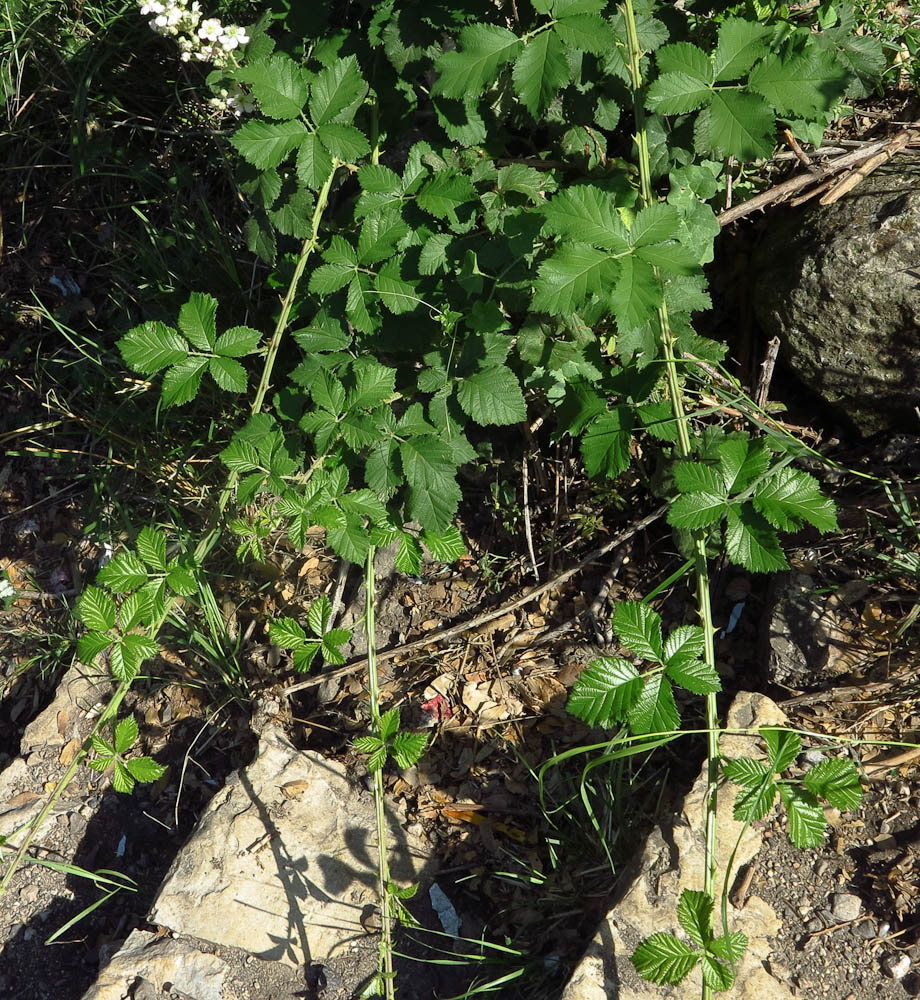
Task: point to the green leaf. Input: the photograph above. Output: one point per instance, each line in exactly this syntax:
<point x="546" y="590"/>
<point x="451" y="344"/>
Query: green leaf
<point x="303" y="656"/>
<point x="783" y="747"/>
<point x="445" y="193"/>
<point x="836" y="780"/>
<point x="89" y="646"/>
<point x="730" y="947"/>
<point x="367" y="744"/>
<point x="196" y="320"/>
<point x="605" y="692"/>
<point x="605" y="444"/>
<point x="789" y="497"/>
<point x="152" y="346"/>
<point x="751" y="542"/>
<point x="588" y="214"/>
<point x="685" y="642"/>
<point x="266" y="144"/>
<point x="736" y="124"/>
<point x="319" y="614"/>
<point x="756" y="798"/>
<point x="694" y="913"/>
<point x="329" y="278"/>
<point x="380" y="233"/>
<point x="122" y="779"/>
<point x="228" y="374"/>
<point x="395" y="293"/>
<point x="329" y="393"/>
<point x="741" y="461"/>
<point x="407" y="748"/>
<point x="636" y="295"/>
<point x="433" y="257"/>
<point x="492" y="396"/>
<point x="805" y="85"/>
<point x="694" y="675"/>
<point x="747" y="772"/>
<point x="389" y="724"/>
<point x="408" y="555"/>
<point x="151" y="547"/>
<point x="639" y="629"/>
<point x="482" y="49"/>
<point x="446" y="546"/>
<point x="331" y="642"/>
<point x="126" y="733"/>
<point x="103" y="747"/>
<point x="355" y="305"/>
<point x="696" y="510"/>
<point x="145" y="769"/>
<point x="279" y="85"/>
<point x="181" y="579"/>
<point x="741" y="44"/>
<point x="717" y="975"/>
<point x="654" y="711"/>
<point x="237" y="342"/>
<point x="685" y="79"/>
<point x="127" y="655"/>
<point x="349" y="539"/>
<point x="375" y="762"/>
<point x="181" y="382"/>
<point x="573" y="273"/>
<point x="122" y="573"/>
<point x="134" y="608"/>
<point x="96" y="609"/>
<point x="286" y="632"/>
<point x="433" y="492"/>
<point x="663" y="958"/>
<point x="345" y="142"/>
<point x="806" y="817"/>
<point x="314" y="162"/>
<point x="539" y="71"/>
<point x="586" y="32"/>
<point x="336" y="92"/>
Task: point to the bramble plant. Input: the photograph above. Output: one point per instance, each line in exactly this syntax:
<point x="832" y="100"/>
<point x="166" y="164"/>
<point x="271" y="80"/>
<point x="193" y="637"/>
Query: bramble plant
<point x="479" y="208"/>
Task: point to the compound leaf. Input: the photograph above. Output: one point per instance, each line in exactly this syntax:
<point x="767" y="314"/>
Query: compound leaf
<point x="837" y="781"/>
<point x="605" y="692"/>
<point x="483" y="48"/>
<point x="605" y="444"/>
<point x="639" y="629"/>
<point x="196" y="320"/>
<point x="336" y="91"/>
<point x="806" y="817"/>
<point x="654" y="711"/>
<point x="751" y="542"/>
<point x="152" y="346"/>
<point x="266" y="144"/>
<point x="664" y="959"/>
<point x="181" y="382"/>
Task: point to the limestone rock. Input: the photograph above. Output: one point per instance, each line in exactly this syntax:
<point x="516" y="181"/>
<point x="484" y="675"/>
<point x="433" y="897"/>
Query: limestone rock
<point x="66" y="717"/>
<point x="671" y="861"/>
<point x="283" y="861"/>
<point x="839" y="286"/>
<point x="148" y="965"/>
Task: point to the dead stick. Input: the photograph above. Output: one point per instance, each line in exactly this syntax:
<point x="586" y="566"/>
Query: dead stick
<point x="857" y="176"/>
<point x="518" y="602"/>
<point x="766" y="374"/>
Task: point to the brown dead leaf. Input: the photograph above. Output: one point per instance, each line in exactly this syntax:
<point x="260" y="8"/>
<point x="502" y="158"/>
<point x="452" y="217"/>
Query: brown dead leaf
<point x="294" y="788"/>
<point x="70" y="751"/>
<point x="22" y="799"/>
<point x="63" y="718"/>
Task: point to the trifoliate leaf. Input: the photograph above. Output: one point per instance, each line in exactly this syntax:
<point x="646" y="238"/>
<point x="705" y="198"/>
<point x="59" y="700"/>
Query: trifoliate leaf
<point x="152" y="346"/>
<point x="789" y="497"/>
<point x="228" y="374"/>
<point x="389" y="724"/>
<point x="356" y="304"/>
<point x="344" y="142"/>
<point x="349" y="539"/>
<point x="266" y="144"/>
<point x="663" y="958"/>
<point x="730" y="947"/>
<point x="129" y="653"/>
<point x="806" y="817"/>
<point x="314" y="162"/>
<point x="122" y="779"/>
<point x="126" y="733"/>
<point x="279" y="85"/>
<point x="407" y="748"/>
<point x="96" y="609"/>
<point x="605" y="692"/>
<point x="336" y="92"/>
<point x="332" y="640"/>
<point x="836" y="780"/>
<point x="605" y="444"/>
<point x="237" y="342"/>
<point x="122" y="573"/>
<point x="678" y="93"/>
<point x="482" y="49"/>
<point x="694" y="913"/>
<point x="783" y="747"/>
<point x="736" y="124"/>
<point x="539" y="71"/>
<point x="492" y="396"/>
<point x="181" y="382"/>
<point x="741" y="44"/>
<point x="654" y="711"/>
<point x="374" y="384"/>
<point x="196" y="320"/>
<point x="639" y="629"/>
<point x="433" y="491"/>
<point x="751" y="542"/>
<point x="303" y="656"/>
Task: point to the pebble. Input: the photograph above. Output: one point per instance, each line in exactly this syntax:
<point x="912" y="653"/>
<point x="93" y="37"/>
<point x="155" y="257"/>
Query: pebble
<point x="896" y="966"/>
<point x="29" y="894"/>
<point x="865" y="929"/>
<point x="822" y="866"/>
<point x="846" y="905"/>
<point x="814" y="925"/>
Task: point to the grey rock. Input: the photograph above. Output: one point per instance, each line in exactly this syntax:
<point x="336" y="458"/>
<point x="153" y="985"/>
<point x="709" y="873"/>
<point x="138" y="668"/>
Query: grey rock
<point x="66" y="716"/>
<point x="896" y="966"/>
<point x="846" y="906"/>
<point x="839" y="286"/>
<point x="671" y="861"/>
<point x="283" y="861"/>
<point x="866" y="929"/>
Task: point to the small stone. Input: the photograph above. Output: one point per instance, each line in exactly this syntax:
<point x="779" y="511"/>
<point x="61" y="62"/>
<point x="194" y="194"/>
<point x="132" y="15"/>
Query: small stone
<point x="804" y="910"/>
<point x="883" y="929"/>
<point x="814" y="757"/>
<point x="865" y="929"/>
<point x="896" y="966"/>
<point x="814" y="925"/>
<point x="29" y="894"/>
<point x="846" y="906"/>
<point x="822" y="866"/>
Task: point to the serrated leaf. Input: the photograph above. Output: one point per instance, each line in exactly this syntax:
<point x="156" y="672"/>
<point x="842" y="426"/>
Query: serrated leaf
<point x="279" y="85"/>
<point x="408" y="555"/>
<point x="694" y="913"/>
<point x="127" y="656"/>
<point x="96" y="609"/>
<point x="237" y="342"/>
<point x="783" y="747"/>
<point x="445" y="193"/>
<point x="482" y="49"/>
<point x="751" y="542"/>
<point x="151" y="547"/>
<point x="228" y="373"/>
<point x="433" y="492"/>
<point x="539" y="71"/>
<point x="694" y="675"/>
<point x="377" y="759"/>
<point x="122" y="779"/>
<point x="407" y="748"/>
<point x="329" y="278"/>
<point x="152" y="346"/>
<point x="741" y="44"/>
<point x="329" y="393"/>
<point x="126" y="733"/>
<point x="663" y="958"/>
<point x="266" y="144"/>
<point x="394" y="292"/>
<point x="639" y="629"/>
<point x="314" y="162"/>
<point x="492" y="396"/>
<point x="303" y="656"/>
<point x="319" y="614"/>
<point x="654" y="710"/>
<point x="145" y="769"/>
<point x="445" y="546"/>
<point x="605" y="692"/>
<point x="380" y="233"/>
<point x="433" y="257"/>
<point x="367" y="744"/>
<point x="736" y="124"/>
<point x="678" y="93"/>
<point x="730" y="947"/>
<point x="389" y="724"/>
<point x="180" y="578"/>
<point x="588" y="214"/>
<point x="196" y="320"/>
<point x="573" y="273"/>
<point x="806" y="817"/>
<point x="789" y="497"/>
<point x="181" y="382"/>
<point x="686" y="641"/>
<point x="336" y="92"/>
<point x="636" y="295"/>
<point x="122" y="573"/>
<point x="741" y="461"/>
<point x="586" y="32"/>
<point x="747" y="772"/>
<point x="696" y="510"/>
<point x="89" y="646"/>
<point x="605" y="444"/>
<point x="344" y="142"/>
<point x="837" y="781"/>
<point x="331" y="642"/>
<point x="355" y="304"/>
<point x="349" y="539"/>
<point x="804" y="85"/>
<point x="286" y="632"/>
<point x="717" y="975"/>
<point x="753" y="802"/>
<point x="102" y="747"/>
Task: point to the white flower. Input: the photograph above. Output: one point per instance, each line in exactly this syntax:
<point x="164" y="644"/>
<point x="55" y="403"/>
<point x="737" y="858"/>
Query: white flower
<point x="233" y="36"/>
<point x="210" y="29"/>
<point x="152" y="7"/>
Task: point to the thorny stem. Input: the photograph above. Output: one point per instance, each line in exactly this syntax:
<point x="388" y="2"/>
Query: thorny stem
<point x="206" y="543"/>
<point x="700" y="562"/>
